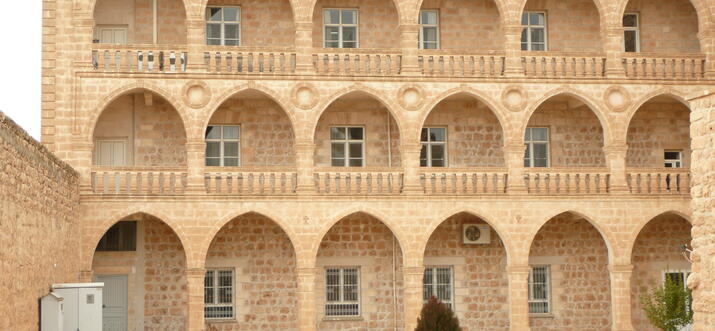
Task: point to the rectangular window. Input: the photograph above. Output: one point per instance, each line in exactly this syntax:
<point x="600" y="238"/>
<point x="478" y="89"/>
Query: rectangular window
<point x="539" y="290"/>
<point x="342" y="291"/>
<point x="673" y="158"/>
<point x="223" y="26"/>
<point x="218" y="293"/>
<point x="437" y="282"/>
<point x="347" y="146"/>
<point x="434" y="147"/>
<point x="536" y="142"/>
<point x="110" y="152"/>
<point x="111" y="34"/>
<point x="223" y="146"/>
<point x="121" y="237"/>
<point x="429" y="29"/>
<point x="631" y="33"/>
<point x="340" y="28"/>
<point x="533" y="35"/>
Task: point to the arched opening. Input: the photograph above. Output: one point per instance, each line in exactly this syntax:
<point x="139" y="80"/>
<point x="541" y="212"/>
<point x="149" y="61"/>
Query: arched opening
<point x="461" y="132"/>
<point x="569" y="281"/>
<point x="357" y="130"/>
<point x="657" y="254"/>
<point x="561" y="26"/>
<point x="468" y="273"/>
<point x="250" y="130"/>
<point x="442" y="25"/>
<point x="142" y="264"/>
<point x="250" y="278"/>
<point x="661" y="26"/>
<point x="359" y="276"/>
<point x="659" y="135"/>
<point x="355" y="24"/>
<point x="139" y="128"/>
<point x="250" y="23"/>
<point x="140" y="22"/>
<point x="564" y="132"/>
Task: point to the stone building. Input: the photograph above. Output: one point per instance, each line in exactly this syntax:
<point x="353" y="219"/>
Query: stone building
<point x="328" y="164"/>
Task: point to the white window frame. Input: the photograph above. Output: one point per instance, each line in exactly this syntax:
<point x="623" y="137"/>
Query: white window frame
<point x="549" y="308"/>
<point x="340" y="27"/>
<point x="346" y="145"/>
<point x="451" y="302"/>
<point x="99" y="28"/>
<point x="223" y="23"/>
<point x="529" y="27"/>
<point x="221" y="142"/>
<point x="215" y="289"/>
<point x="636" y="28"/>
<point x="97" y="151"/>
<point x="423" y="26"/>
<point x="430" y="143"/>
<point x="341" y="292"/>
<point x="675" y="163"/>
<point x="529" y="144"/>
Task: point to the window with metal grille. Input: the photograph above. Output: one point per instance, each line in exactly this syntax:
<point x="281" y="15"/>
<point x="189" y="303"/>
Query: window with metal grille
<point x="434" y="147"/>
<point x="342" y="291"/>
<point x="437" y="282"/>
<point x="121" y="237"/>
<point x="673" y="159"/>
<point x="340" y="28"/>
<point x="536" y="142"/>
<point x="218" y="293"/>
<point x="223" y="26"/>
<point x="223" y="146"/>
<point x="347" y="146"/>
<point x="429" y="29"/>
<point x="533" y="34"/>
<point x="539" y="290"/>
<point x="631" y="33"/>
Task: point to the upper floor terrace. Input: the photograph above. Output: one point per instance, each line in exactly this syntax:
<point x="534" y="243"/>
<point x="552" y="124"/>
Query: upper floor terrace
<point x="581" y="39"/>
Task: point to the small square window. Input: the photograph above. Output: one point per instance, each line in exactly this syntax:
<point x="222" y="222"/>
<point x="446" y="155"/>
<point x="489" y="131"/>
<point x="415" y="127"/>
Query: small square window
<point x="340" y="28"/>
<point x="673" y="158"/>
<point x="347" y="144"/>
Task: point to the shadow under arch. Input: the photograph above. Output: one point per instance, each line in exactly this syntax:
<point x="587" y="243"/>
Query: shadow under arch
<point x="662" y="92"/>
<point x="702" y="12"/>
<point x="633" y="237"/>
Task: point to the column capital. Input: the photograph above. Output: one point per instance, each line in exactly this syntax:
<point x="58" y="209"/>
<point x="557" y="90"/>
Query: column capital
<point x="195" y="272"/>
<point x="616" y="148"/>
<point x="413" y="270"/>
<point x="304" y="26"/>
<point x="409" y="28"/>
<point x="514" y="147"/>
<point x="512" y="29"/>
<point x="195" y="145"/>
<point x="620" y="268"/>
<point x="302" y="272"/>
<point x="195" y="23"/>
<point x="518" y="269"/>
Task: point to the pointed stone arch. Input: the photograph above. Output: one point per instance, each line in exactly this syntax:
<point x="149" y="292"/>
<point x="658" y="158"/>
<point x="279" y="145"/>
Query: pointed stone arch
<point x="643" y="222"/>
<point x="703" y="11"/>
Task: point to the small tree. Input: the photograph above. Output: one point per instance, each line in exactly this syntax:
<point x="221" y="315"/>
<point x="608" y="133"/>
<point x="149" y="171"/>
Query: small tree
<point x="668" y="306"/>
<point x="437" y="316"/>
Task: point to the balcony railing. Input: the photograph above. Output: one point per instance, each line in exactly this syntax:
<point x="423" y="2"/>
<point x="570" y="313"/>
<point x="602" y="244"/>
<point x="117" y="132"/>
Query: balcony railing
<point x="661" y="66"/>
<point x="563" y="65"/>
<point x="357" y="62"/>
<point x="449" y="181"/>
<point x="138" y="58"/>
<point x="360" y="181"/>
<point x="658" y="181"/>
<point x="243" y="181"/>
<point x="457" y="63"/>
<point x="138" y="180"/>
<point x="249" y="60"/>
<point x="571" y="181"/>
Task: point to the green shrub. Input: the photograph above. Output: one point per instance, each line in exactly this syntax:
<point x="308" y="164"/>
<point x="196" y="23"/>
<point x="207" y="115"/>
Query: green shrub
<point x="668" y="307"/>
<point x="437" y="316"/>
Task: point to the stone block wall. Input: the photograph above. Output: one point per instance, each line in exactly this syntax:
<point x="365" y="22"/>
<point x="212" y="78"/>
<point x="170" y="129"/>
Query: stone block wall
<point x="572" y="26"/>
<point x="260" y="16"/>
<point x="377" y="22"/>
<point x="666" y="33"/>
<point x="466" y="24"/>
<point x="138" y="17"/>
<point x="657" y="127"/>
<point x="39" y="225"/>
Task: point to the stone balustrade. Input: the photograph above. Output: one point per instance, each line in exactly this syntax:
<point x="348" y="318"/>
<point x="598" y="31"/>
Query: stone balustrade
<point x="249" y="60"/>
<point x="243" y="181"/>
<point x="659" y="181"/>
<point x="447" y="181"/>
<point x="357" y="62"/>
<point x="138" y="180"/>
<point x="563" y="65"/>
<point x="567" y="181"/>
<point x="358" y="181"/>
<point x="661" y="66"/>
<point x="445" y="63"/>
<point x="139" y="58"/>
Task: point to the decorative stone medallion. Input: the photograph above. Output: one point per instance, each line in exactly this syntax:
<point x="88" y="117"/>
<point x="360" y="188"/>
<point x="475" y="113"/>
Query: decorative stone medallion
<point x="196" y="94"/>
<point x="617" y="98"/>
<point x="514" y="98"/>
<point x="411" y="97"/>
<point x="305" y="96"/>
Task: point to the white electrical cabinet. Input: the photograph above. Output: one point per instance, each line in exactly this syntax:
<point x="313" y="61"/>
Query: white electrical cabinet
<point x="51" y="308"/>
<point x="82" y="306"/>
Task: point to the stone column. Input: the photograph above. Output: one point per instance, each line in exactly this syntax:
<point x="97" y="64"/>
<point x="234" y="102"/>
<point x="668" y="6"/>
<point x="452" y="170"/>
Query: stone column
<point x="304" y="159"/>
<point x="411" y="165"/>
<point x="621" y="296"/>
<point x="613" y="47"/>
<point x="196" y="167"/>
<point x="304" y="47"/>
<point x="616" y="161"/>
<point x="195" y="286"/>
<point x="514" y="157"/>
<point x="195" y="41"/>
<point x="518" y="297"/>
<point x="409" y="37"/>
<point x="707" y="47"/>
<point x="412" y="299"/>
<point x="306" y="299"/>
<point x="512" y="50"/>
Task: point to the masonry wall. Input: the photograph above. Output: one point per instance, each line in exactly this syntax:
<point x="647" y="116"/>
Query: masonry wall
<point x="363" y="241"/>
<point x="666" y="26"/>
<point x="377" y="22"/>
<point x="656" y="250"/>
<point x="155" y="134"/>
<point x="258" y="17"/>
<point x="580" y="291"/>
<point x="138" y="17"/>
<point x="572" y="26"/>
<point x="466" y="24"/>
<point x="657" y="127"/>
<point x="480" y="279"/>
<point x="39" y="225"/>
<point x="474" y="134"/>
<point x="264" y="262"/>
<point x="266" y="132"/>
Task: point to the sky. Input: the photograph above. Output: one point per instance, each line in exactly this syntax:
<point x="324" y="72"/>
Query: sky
<point x="20" y="61"/>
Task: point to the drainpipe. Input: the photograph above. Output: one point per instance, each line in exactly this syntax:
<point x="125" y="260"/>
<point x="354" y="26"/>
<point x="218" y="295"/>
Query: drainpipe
<point x="394" y="280"/>
<point x="155" y="21"/>
<point x="389" y="140"/>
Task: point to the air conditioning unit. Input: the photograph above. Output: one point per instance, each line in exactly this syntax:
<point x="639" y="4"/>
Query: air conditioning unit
<point x="476" y="234"/>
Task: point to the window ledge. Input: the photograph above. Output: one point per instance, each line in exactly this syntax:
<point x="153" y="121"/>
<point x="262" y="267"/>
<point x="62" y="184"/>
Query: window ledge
<point x="342" y="318"/>
<point x="219" y="320"/>
<point x="541" y="315"/>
